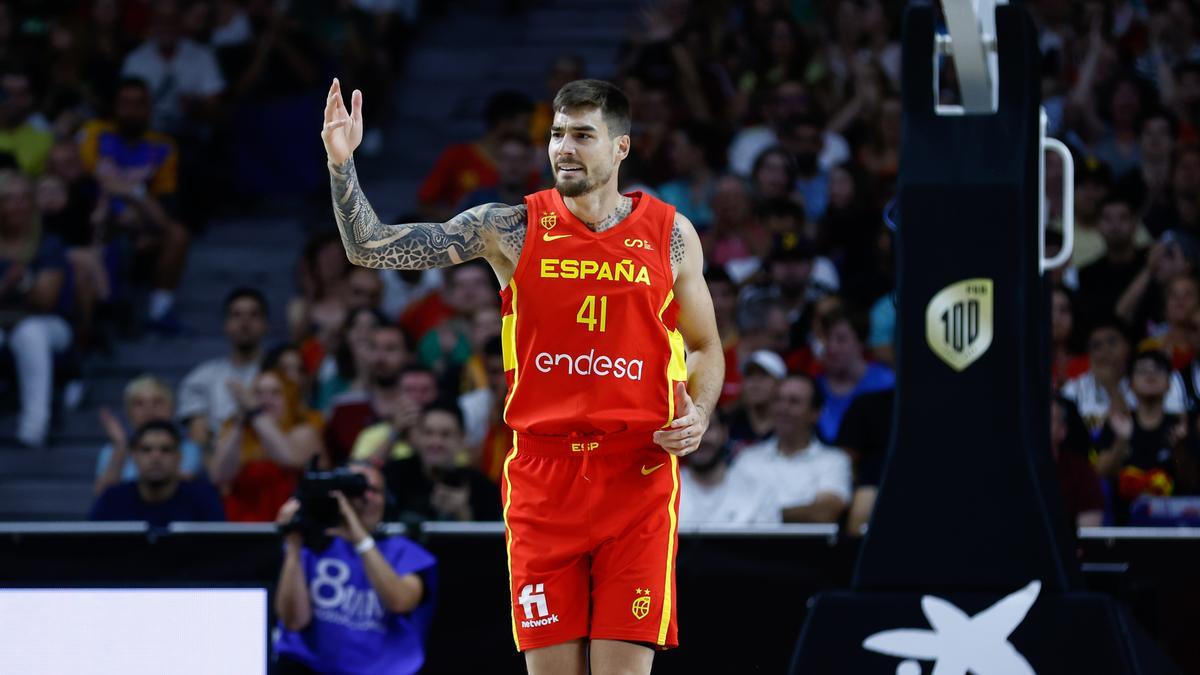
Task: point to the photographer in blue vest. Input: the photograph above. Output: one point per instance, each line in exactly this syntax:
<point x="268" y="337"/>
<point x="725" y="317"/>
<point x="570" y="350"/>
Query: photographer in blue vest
<point x="359" y="605"/>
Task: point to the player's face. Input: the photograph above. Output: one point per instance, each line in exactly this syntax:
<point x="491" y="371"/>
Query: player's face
<point x="582" y="154"/>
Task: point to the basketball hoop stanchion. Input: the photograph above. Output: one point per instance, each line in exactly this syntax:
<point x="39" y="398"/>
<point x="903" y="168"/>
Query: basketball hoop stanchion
<point x="968" y="564"/>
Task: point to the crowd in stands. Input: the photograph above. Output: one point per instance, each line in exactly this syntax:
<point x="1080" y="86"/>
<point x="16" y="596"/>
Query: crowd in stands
<point x="117" y="140"/>
<point x="773" y="126"/>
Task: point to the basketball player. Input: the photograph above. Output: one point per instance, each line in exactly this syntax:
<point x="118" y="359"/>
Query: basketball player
<point x="602" y="292"/>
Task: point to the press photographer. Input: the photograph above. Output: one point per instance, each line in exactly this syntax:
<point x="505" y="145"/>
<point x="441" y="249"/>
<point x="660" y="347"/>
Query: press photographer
<point x="359" y="604"/>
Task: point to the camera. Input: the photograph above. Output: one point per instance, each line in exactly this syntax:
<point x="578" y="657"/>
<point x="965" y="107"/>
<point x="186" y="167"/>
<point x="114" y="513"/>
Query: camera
<point x="318" y="508"/>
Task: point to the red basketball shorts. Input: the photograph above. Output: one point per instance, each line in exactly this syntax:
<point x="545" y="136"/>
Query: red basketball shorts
<point x="591" y="530"/>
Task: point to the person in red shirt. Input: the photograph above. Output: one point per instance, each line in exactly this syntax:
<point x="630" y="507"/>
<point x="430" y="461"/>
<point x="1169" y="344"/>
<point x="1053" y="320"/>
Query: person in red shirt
<point x="465" y="167"/>
<point x="614" y="362"/>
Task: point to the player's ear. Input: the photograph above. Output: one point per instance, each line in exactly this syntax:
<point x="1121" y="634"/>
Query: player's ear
<point x="623" y="146"/>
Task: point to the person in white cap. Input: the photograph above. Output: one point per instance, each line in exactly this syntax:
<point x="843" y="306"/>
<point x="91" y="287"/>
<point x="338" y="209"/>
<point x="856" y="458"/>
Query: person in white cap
<point x="752" y="420"/>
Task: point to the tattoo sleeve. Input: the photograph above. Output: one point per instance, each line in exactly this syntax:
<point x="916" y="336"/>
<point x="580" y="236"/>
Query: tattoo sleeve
<point x="419" y="246"/>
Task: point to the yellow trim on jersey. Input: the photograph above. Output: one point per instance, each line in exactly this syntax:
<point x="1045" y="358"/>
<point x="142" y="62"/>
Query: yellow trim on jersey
<point x="665" y="623"/>
<point x="508" y="341"/>
<point x="677" y="366"/>
<point x="512" y="610"/>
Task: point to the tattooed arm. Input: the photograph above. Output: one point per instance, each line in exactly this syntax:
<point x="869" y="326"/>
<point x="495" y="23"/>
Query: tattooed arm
<point x="489" y="231"/>
<point x="698" y="325"/>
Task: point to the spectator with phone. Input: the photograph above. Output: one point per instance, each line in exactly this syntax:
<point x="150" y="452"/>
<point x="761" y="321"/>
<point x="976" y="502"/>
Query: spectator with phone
<point x="362" y="605"/>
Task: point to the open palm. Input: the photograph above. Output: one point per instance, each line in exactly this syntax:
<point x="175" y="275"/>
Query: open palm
<point x="343" y="129"/>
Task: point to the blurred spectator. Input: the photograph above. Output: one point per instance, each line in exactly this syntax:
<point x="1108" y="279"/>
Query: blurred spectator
<point x="802" y="138"/>
<point x="205" y="401"/>
<point x="1094" y="391"/>
<point x="865" y="434"/>
<point x="433" y="484"/>
<point x="486" y="434"/>
<point x="847" y="373"/>
<point x="287" y="359"/>
<point x="514" y="161"/>
<point x="1142" y="451"/>
<point x="392" y="438"/>
<point x="147" y="399"/>
<point x="710" y="494"/>
<point x="263" y="448"/>
<point x="1102" y="283"/>
<point x="753" y="419"/>
<point x="1083" y="499"/>
<point x="1092" y="183"/>
<point x="22" y="135"/>
<point x="91" y="288"/>
<point x="470" y="288"/>
<point x="735" y="238"/>
<point x="724" y="297"/>
<point x="786" y="99"/>
<point x="350" y="368"/>
<point x="1177" y="332"/>
<point x="319" y="312"/>
<point x="354" y="411"/>
<point x="1066" y="363"/>
<point x="651" y="164"/>
<point x="405" y="289"/>
<point x="32" y="273"/>
<point x="159" y="495"/>
<point x="1148" y="187"/>
<point x="692" y="161"/>
<point x="811" y="481"/>
<point x="774" y="175"/>
<point x="376" y="594"/>
<point x="137" y="170"/>
<point x="183" y="76"/>
<point x="103" y="44"/>
<point x="565" y="68"/>
<point x="465" y="167"/>
<point x="1142" y="301"/>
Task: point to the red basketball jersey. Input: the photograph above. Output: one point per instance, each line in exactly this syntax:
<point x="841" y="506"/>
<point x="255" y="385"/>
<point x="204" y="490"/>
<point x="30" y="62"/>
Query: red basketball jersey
<point x="590" y="343"/>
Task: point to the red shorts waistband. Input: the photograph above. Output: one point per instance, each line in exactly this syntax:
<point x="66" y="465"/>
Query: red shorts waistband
<point x="577" y="444"/>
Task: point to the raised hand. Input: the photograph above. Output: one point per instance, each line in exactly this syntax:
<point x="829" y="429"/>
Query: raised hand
<point x="343" y="129"/>
<point x="112" y="429"/>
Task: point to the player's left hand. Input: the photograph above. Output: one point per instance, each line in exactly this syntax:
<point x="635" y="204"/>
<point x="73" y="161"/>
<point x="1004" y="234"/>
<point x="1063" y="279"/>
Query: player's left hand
<point x="351" y="528"/>
<point x="683" y="436"/>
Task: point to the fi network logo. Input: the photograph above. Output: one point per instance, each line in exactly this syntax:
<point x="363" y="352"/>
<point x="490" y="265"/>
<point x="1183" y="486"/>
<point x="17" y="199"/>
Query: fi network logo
<point x="533" y="600"/>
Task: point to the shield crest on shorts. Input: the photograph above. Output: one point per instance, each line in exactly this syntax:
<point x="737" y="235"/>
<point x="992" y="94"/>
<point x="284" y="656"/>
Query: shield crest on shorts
<point x="641" y="606"/>
<point x="958" y="322"/>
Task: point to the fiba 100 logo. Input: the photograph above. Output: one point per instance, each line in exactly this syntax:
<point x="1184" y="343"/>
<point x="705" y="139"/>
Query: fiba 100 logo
<point x="590" y="364"/>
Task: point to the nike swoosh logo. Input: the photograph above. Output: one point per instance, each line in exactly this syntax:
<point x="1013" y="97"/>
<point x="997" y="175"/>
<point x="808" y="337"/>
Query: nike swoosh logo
<point x="551" y="237"/>
<point x="647" y="472"/>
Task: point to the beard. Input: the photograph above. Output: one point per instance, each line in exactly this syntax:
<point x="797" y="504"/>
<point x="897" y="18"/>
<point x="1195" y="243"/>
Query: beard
<point x="578" y="188"/>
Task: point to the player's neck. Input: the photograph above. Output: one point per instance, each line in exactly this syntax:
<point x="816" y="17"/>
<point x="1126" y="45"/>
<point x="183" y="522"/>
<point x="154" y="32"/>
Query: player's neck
<point x="595" y="206"/>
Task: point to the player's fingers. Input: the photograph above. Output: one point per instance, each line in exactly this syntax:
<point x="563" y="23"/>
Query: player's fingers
<point x="682" y="433"/>
<point x="687" y="419"/>
<point x="330" y="107"/>
<point x="336" y="125"/>
<point x="356" y="107"/>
